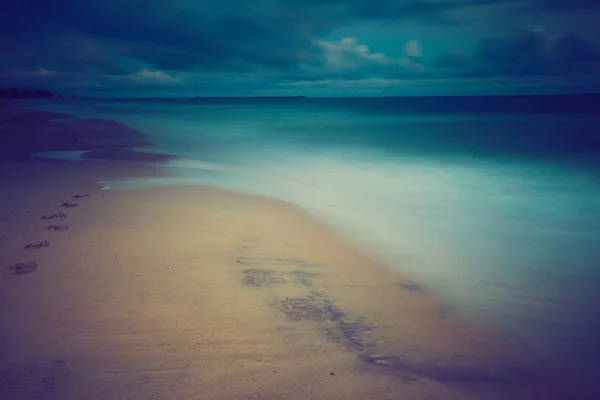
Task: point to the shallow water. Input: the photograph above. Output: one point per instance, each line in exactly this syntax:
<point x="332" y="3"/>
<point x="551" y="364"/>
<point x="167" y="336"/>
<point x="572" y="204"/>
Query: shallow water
<point x="494" y="207"/>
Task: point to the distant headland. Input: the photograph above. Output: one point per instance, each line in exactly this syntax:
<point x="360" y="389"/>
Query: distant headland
<point x="13" y="93"/>
<point x="248" y="97"/>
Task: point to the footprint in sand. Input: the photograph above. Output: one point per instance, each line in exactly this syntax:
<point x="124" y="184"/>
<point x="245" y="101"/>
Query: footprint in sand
<point x="59" y="227"/>
<point x="54" y="215"/>
<point x="24" y="268"/>
<point x="37" y="245"/>
<point x="81" y="195"/>
<point x="68" y="204"/>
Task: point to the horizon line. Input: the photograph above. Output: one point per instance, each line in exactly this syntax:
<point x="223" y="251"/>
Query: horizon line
<point x="305" y="97"/>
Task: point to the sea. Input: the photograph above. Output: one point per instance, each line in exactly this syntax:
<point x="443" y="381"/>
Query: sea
<point x="491" y="203"/>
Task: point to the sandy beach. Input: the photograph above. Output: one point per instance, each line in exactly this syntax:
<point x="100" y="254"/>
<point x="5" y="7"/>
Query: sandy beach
<point x="203" y="293"/>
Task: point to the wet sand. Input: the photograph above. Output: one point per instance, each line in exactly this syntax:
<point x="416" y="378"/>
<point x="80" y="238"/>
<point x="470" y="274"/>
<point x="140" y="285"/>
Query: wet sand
<point x="202" y="293"/>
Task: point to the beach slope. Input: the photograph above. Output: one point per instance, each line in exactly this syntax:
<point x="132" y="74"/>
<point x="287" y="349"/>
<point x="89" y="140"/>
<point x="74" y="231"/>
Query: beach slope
<point x="203" y="293"/>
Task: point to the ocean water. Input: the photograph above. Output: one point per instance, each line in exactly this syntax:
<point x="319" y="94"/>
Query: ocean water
<point x="493" y="204"/>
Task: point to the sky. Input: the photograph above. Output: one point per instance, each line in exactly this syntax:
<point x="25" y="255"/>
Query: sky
<point x="180" y="48"/>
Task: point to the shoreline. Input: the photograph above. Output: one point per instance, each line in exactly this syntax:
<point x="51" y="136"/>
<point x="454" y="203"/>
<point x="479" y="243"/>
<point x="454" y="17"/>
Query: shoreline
<point x="176" y="282"/>
<point x="287" y="277"/>
<point x="25" y="131"/>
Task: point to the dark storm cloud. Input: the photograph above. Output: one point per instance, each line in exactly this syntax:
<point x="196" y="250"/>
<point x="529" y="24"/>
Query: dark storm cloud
<point x="382" y="9"/>
<point x="160" y="44"/>
<point x="452" y="59"/>
<point x="532" y="59"/>
<point x="172" y="35"/>
<point x="537" y="53"/>
<point x="183" y="34"/>
<point x="566" y="5"/>
<point x="180" y="34"/>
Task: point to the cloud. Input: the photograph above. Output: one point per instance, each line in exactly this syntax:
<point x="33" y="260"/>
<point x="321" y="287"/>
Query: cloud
<point x="537" y="53"/>
<point x="40" y="72"/>
<point x="350" y="60"/>
<point x="452" y="59"/>
<point x="160" y="44"/>
<point x="520" y="56"/>
<point x="189" y="34"/>
<point x="565" y="5"/>
<point x="157" y="76"/>
<point x="412" y="49"/>
<point x="348" y="53"/>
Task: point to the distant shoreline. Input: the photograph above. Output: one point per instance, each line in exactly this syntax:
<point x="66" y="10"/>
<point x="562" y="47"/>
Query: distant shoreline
<point x="248" y="97"/>
<point x="374" y="97"/>
<point x="101" y="139"/>
<point x="14" y="93"/>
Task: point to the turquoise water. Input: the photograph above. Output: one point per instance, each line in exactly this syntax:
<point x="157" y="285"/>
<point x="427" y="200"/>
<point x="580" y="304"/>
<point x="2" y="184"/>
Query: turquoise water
<point x="494" y="207"/>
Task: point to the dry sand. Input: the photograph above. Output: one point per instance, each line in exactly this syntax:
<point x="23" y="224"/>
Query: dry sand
<point x="201" y="293"/>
